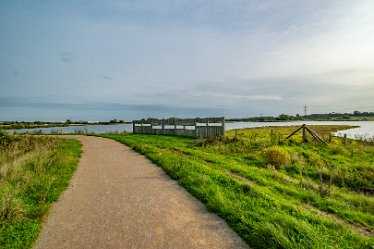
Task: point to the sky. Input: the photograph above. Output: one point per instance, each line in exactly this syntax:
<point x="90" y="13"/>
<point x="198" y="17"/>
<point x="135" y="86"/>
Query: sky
<point x="98" y="60"/>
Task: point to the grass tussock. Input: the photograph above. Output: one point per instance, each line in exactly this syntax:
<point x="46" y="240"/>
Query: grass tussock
<point x="277" y="156"/>
<point x="275" y="193"/>
<point x="33" y="172"/>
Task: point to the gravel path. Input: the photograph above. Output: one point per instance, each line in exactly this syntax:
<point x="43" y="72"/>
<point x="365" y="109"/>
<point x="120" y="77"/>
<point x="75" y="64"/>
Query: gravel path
<point x="119" y="199"/>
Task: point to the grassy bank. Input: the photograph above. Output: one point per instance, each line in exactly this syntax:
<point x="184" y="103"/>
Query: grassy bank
<point x="33" y="172"/>
<point x="275" y="193"/>
<point x="22" y="125"/>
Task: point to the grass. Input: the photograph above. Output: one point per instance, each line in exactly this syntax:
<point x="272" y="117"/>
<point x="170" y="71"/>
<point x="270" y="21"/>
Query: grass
<point x="34" y="171"/>
<point x="21" y="125"/>
<point x="275" y="193"/>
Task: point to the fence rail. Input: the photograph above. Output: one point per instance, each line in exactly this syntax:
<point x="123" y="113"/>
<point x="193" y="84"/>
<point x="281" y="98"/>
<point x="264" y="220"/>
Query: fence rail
<point x="196" y="127"/>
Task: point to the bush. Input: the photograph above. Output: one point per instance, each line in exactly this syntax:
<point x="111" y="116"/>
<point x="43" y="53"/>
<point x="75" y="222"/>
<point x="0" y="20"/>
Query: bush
<point x="277" y="156"/>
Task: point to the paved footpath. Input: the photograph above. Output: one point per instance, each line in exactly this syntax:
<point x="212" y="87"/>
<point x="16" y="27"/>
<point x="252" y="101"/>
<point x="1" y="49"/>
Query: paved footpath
<point x="119" y="199"/>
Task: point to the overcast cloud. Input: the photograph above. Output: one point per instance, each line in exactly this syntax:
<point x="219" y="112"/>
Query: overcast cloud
<point x="97" y="60"/>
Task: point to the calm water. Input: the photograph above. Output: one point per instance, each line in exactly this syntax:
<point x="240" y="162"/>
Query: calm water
<point x="99" y="129"/>
<point x="366" y="128"/>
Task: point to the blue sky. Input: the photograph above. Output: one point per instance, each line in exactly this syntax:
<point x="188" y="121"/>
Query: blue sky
<point x="98" y="60"/>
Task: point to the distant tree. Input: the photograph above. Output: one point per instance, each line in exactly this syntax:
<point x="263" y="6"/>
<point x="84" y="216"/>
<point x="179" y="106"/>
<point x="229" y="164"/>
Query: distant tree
<point x="283" y="117"/>
<point x="68" y="121"/>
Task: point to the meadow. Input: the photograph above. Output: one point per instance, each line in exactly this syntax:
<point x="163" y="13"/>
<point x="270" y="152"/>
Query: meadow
<point x="34" y="170"/>
<point x="275" y="193"/>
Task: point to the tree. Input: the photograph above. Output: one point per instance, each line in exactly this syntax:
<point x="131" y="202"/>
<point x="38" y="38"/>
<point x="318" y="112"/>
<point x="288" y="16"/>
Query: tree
<point x="283" y="117"/>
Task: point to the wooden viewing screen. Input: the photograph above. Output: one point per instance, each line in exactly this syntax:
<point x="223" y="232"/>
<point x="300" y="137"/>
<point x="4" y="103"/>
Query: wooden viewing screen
<point x="196" y="127"/>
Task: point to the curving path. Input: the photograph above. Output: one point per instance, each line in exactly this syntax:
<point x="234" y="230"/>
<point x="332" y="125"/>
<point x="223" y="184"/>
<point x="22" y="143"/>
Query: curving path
<point x="119" y="199"/>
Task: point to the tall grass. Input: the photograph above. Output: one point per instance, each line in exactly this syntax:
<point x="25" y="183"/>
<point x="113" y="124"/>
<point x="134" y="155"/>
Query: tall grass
<point x="34" y="171"/>
<point x="275" y="193"/>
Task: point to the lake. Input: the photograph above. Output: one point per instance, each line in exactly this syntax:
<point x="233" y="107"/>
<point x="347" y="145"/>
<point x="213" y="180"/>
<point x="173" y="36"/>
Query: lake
<point x="365" y="130"/>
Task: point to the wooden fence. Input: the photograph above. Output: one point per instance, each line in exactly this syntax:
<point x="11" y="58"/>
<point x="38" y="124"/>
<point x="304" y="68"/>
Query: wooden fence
<point x="196" y="127"/>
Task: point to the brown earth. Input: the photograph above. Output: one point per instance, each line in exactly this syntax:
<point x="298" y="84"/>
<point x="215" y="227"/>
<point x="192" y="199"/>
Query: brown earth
<point x="119" y="199"/>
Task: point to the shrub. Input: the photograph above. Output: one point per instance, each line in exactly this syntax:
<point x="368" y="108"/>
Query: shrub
<point x="277" y="156"/>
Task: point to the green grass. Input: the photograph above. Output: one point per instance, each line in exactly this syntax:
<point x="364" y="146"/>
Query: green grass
<point x="275" y="193"/>
<point x="33" y="173"/>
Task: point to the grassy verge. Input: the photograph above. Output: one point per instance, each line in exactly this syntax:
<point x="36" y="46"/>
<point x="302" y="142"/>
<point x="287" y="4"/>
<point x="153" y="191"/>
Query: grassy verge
<point x="17" y="126"/>
<point x="33" y="172"/>
<point x="275" y="193"/>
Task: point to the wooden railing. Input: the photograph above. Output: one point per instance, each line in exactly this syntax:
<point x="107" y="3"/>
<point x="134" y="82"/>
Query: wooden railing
<point x="197" y="127"/>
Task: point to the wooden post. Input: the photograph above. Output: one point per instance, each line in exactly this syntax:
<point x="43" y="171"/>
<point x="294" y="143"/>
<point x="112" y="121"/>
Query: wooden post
<point x="152" y="130"/>
<point x="133" y="126"/>
<point x="330" y="137"/>
<point x="304" y="134"/>
<point x="345" y="140"/>
<point x="314" y="135"/>
<point x="207" y="127"/>
<point x="223" y="127"/>
<point x="196" y="127"/>
<point x="293" y="133"/>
